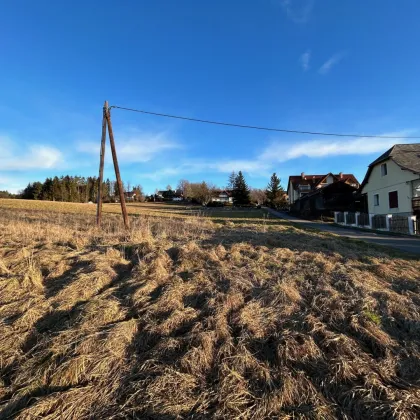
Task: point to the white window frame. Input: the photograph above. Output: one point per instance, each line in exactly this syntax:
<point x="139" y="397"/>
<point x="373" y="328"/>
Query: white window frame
<point x="384" y="169"/>
<point x="375" y="202"/>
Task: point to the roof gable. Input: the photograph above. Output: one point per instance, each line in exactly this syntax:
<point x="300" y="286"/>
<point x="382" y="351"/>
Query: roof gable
<point x="406" y="156"/>
<point x="314" y="180"/>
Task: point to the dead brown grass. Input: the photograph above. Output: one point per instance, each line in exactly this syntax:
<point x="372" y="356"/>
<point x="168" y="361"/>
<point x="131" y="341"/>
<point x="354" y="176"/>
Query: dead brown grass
<point x="184" y="318"/>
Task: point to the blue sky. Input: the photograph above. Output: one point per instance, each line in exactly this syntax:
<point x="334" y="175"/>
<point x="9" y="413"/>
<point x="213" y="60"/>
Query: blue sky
<point x="341" y="66"/>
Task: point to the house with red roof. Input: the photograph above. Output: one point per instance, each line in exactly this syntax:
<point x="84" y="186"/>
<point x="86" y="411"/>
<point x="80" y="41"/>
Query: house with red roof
<point x="303" y="184"/>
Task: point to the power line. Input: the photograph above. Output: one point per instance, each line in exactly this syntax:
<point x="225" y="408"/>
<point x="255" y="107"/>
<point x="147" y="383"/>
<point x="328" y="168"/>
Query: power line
<point x="282" y="130"/>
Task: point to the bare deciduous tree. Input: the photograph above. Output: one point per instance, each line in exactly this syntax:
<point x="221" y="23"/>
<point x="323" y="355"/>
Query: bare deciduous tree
<point x="258" y="196"/>
<point x="202" y="192"/>
<point x="185" y="187"/>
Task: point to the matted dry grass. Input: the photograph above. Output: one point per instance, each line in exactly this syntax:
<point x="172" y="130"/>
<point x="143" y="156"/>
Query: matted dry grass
<point x="184" y="318"/>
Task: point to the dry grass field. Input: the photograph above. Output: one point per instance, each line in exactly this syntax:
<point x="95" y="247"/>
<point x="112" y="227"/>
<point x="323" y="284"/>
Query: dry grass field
<point x="187" y="316"/>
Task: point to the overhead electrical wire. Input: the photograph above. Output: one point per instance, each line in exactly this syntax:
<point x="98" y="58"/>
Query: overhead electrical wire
<point x="281" y="130"/>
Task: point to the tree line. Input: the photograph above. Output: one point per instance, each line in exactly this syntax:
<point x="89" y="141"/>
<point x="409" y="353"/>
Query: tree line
<point x="76" y="189"/>
<point x="203" y="192"/>
<point x="85" y="189"/>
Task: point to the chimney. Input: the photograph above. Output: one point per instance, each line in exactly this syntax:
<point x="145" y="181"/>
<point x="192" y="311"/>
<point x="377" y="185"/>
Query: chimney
<point x="340" y="175"/>
<point x="302" y="175"/>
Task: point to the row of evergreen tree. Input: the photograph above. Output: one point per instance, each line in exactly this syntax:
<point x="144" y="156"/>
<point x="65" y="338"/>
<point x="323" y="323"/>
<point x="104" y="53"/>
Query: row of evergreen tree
<point x="71" y="189"/>
<point x="273" y="195"/>
<point x="84" y="189"/>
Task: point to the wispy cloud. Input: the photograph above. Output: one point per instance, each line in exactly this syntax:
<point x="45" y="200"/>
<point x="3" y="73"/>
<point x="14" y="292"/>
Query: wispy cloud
<point x="252" y="167"/>
<point x="134" y="146"/>
<point x="341" y="147"/>
<point x="25" y="157"/>
<point x="304" y="60"/>
<point x="279" y="152"/>
<point x="298" y="11"/>
<point x="331" y="62"/>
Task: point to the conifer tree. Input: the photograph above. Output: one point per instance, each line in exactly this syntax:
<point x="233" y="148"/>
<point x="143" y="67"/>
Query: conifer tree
<point x="240" y="190"/>
<point x="275" y="192"/>
<point x="231" y="181"/>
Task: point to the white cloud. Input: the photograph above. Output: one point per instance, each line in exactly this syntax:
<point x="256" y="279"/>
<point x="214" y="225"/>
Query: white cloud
<point x="251" y="167"/>
<point x="305" y="59"/>
<point x="136" y="146"/>
<point x="263" y="164"/>
<point x="332" y="61"/>
<point x="298" y="11"/>
<point x="334" y="147"/>
<point x="22" y="157"/>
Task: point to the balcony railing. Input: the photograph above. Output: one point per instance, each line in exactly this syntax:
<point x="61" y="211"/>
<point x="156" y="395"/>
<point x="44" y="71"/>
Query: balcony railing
<point x="304" y="187"/>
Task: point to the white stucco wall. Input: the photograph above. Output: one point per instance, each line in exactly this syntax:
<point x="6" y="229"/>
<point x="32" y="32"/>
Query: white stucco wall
<point x="395" y="180"/>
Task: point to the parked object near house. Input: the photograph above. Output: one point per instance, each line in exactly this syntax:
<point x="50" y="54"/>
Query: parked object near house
<point x="392" y="182"/>
<point x="315" y="195"/>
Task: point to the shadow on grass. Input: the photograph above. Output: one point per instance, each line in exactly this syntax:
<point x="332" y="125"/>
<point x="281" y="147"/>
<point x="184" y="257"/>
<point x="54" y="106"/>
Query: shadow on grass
<point x="54" y="285"/>
<point x="12" y="409"/>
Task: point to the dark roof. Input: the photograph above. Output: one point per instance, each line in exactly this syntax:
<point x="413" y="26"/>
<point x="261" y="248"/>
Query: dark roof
<point x="340" y="185"/>
<point x="406" y="156"/>
<point x="218" y="192"/>
<point x="314" y="180"/>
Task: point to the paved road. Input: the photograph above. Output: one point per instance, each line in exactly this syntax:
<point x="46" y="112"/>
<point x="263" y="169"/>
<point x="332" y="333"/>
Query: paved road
<point x="401" y="243"/>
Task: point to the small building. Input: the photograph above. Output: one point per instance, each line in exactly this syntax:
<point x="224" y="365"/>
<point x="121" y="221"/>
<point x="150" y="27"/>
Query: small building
<point x="222" y="196"/>
<point x="130" y="195"/>
<point x="301" y="185"/>
<point x="392" y="182"/>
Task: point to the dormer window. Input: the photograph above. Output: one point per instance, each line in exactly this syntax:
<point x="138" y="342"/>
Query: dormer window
<point x="384" y="169"/>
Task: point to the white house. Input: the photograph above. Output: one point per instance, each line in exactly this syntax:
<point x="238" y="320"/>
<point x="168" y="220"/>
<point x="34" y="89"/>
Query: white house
<point x="392" y="182"/>
<point x="224" y="196"/>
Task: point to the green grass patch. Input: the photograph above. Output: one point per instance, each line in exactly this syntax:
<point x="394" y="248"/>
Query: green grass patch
<point x="374" y="317"/>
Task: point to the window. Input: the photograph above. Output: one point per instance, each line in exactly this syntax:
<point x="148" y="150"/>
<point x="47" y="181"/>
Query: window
<point x="384" y="169"/>
<point x="393" y="199"/>
<point x="376" y="200"/>
<point x="305" y="187"/>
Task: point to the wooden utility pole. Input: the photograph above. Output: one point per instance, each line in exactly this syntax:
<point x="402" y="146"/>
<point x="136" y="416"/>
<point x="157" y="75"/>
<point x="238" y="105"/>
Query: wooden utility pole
<point x="117" y="169"/>
<point x="101" y="166"/>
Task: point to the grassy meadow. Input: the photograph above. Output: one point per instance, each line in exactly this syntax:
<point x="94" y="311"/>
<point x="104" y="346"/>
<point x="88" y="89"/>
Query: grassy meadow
<point x="200" y="313"/>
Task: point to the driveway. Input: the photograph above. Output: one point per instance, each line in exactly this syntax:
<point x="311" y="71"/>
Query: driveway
<point x="402" y="243"/>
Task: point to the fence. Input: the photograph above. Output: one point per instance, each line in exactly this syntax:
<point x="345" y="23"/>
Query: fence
<point x="399" y="224"/>
<point x="363" y="219"/>
<point x="416" y="227"/>
<point x="379" y="221"/>
<point x="350" y="218"/>
<point x="340" y="217"/>
<point x="408" y="224"/>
